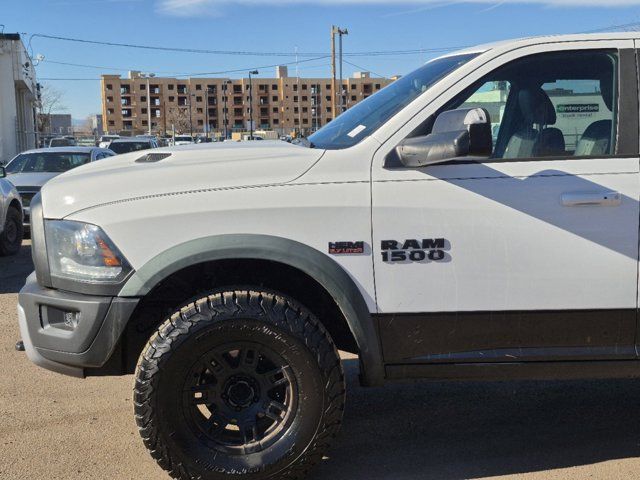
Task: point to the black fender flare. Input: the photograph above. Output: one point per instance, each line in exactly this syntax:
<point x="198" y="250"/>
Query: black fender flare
<point x="323" y="269"/>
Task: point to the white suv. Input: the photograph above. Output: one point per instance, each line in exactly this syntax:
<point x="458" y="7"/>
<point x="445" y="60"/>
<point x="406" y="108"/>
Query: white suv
<point x="11" y="228"/>
<point x="227" y="276"/>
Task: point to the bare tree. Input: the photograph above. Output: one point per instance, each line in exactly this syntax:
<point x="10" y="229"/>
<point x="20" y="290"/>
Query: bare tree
<point x="179" y="118"/>
<point x="51" y="101"/>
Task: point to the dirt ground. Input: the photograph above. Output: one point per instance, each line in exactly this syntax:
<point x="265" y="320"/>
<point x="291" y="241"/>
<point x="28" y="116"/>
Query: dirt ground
<point x="54" y="427"/>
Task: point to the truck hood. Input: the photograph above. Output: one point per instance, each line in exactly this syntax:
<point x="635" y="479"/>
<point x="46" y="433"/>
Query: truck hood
<point x="188" y="168"/>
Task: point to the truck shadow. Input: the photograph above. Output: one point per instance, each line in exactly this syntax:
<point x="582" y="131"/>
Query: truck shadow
<point x="456" y="431"/>
<point x="15" y="269"/>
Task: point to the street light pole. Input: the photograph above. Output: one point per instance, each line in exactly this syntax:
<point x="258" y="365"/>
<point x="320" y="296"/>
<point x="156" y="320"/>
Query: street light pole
<point x="226" y="88"/>
<point x="206" y="113"/>
<point x="148" y="76"/>
<point x="190" y="117"/>
<point x="252" y="72"/>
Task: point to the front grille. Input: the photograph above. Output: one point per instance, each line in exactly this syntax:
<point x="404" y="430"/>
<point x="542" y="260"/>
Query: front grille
<point x="26" y="194"/>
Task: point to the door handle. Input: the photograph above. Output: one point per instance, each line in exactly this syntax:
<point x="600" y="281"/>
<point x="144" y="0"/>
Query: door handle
<point x="586" y="199"/>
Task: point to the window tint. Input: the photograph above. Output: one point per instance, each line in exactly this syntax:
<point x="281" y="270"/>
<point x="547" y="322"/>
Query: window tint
<point x="551" y="105"/>
<point x="126" y="147"/>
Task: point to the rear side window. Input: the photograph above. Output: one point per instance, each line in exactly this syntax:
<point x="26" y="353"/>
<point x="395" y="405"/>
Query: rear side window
<point x="51" y="162"/>
<point x="126" y="147"/>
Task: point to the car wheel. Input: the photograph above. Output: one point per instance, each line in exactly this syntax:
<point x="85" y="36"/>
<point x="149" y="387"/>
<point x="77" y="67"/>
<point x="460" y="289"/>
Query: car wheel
<point x="239" y="383"/>
<point x="12" y="233"/>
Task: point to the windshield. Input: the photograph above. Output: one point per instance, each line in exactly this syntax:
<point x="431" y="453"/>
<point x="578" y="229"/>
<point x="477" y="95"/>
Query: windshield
<point x="55" y="162"/>
<point x="366" y="117"/>
<point x="183" y="139"/>
<point x="126" y="147"/>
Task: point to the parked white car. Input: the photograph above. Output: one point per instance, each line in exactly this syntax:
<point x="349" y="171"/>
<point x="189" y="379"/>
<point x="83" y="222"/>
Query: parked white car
<point x="132" y="144"/>
<point x="183" y="140"/>
<point x="11" y="229"/>
<point x="31" y="169"/>
<point x="106" y="139"/>
<point x="227" y="276"/>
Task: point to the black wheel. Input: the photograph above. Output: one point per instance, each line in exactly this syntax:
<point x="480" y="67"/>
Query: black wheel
<point x="12" y="233"/>
<point x="239" y="383"/>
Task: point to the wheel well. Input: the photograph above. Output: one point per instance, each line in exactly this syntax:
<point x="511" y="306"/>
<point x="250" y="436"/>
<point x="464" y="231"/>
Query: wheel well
<point x="196" y="281"/>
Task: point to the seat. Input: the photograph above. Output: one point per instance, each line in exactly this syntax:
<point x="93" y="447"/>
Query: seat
<point x="536" y="138"/>
<point x="596" y="140"/>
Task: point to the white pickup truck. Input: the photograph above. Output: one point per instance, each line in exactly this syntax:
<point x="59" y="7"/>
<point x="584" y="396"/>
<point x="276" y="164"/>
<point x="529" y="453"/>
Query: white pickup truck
<point x="476" y="219"/>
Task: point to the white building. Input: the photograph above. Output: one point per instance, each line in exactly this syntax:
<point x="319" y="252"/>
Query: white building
<point x="18" y="97"/>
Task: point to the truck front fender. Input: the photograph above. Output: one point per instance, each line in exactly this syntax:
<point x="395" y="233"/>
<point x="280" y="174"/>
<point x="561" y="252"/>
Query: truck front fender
<point x="323" y="269"/>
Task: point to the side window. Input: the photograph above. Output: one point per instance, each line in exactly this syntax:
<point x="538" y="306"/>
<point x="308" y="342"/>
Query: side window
<point x="551" y="105"/>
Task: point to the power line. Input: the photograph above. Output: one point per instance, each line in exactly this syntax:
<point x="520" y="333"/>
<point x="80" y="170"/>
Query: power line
<point x="614" y="27"/>
<point x="199" y="74"/>
<point x="239" y="52"/>
<point x="364" y="69"/>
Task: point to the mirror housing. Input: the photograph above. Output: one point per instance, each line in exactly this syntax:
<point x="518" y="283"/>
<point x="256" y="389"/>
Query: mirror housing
<point x="3" y="171"/>
<point x="456" y="133"/>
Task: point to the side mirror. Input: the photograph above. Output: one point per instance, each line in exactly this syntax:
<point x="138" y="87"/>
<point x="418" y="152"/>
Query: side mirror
<point x="456" y="133"/>
<point x="3" y="171"/>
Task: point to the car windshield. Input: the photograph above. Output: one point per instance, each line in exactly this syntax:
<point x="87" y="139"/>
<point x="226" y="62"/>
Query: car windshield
<point x="55" y="162"/>
<point x="183" y="139"/>
<point x="366" y="117"/>
<point x="126" y="147"/>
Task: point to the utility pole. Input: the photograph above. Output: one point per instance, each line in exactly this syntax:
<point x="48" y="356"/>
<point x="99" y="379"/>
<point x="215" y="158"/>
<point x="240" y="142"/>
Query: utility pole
<point x="336" y="31"/>
<point x="252" y="72"/>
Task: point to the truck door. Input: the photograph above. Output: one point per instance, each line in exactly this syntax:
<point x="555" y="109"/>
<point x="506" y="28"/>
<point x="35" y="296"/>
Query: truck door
<point x="532" y="254"/>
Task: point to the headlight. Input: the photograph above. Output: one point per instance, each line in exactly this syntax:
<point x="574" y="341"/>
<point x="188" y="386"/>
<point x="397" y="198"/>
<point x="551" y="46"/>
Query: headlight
<point x="83" y="252"/>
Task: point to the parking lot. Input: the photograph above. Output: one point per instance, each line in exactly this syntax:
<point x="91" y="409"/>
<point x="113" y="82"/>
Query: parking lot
<point x="57" y="427"/>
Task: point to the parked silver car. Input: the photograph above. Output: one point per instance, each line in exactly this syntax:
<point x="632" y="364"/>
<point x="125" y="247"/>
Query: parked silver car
<point x="30" y="170"/>
<point x="11" y="229"/>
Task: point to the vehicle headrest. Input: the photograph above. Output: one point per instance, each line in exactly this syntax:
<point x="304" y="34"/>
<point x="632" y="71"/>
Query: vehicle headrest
<point x="536" y="106"/>
<point x="606" y="88"/>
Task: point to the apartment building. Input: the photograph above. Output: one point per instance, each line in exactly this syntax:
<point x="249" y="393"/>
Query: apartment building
<point x="200" y="105"/>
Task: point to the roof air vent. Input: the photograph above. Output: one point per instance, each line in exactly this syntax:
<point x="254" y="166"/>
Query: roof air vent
<point x="152" y="157"/>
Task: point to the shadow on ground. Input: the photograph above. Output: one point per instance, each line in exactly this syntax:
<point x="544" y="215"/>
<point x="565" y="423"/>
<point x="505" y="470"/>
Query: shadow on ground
<point x="15" y="269"/>
<point x="455" y="431"/>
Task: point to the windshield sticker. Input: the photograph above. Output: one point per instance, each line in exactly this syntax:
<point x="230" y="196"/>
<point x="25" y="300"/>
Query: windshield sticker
<point x="357" y="131"/>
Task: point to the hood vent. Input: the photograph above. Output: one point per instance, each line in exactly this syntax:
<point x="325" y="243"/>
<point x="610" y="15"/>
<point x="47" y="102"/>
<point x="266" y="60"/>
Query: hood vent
<point x="152" y="157"/>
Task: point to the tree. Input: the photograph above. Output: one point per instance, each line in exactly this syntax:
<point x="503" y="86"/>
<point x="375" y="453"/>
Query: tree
<point x="51" y="101"/>
<point x="179" y="118"/>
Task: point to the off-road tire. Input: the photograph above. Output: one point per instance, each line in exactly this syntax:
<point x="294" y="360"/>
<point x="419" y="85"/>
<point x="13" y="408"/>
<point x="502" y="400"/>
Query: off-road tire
<point x="221" y="318"/>
<point x="12" y="233"/>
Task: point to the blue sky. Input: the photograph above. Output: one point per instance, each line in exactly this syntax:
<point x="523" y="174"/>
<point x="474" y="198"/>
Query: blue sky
<point x="278" y="25"/>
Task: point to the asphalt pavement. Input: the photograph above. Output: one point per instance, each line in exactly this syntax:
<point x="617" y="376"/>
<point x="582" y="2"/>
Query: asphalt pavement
<point x="54" y="427"/>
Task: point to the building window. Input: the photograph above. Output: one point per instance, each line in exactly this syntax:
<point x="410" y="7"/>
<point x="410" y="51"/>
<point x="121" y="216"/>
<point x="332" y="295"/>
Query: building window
<point x="275" y="110"/>
<point x="353" y="98"/>
<point x="305" y="99"/>
<point x="111" y="123"/>
<point x="171" y="86"/>
<point x="274" y="98"/>
<point x="143" y="98"/>
<point x="377" y="86"/>
<point x="295" y="99"/>
<point x="274" y="87"/>
<point x="295" y="88"/>
<point x="276" y="121"/>
<point x="198" y="99"/>
<point x="353" y="87"/>
<point x="172" y="99"/>
<point x="198" y="87"/>
<point x="143" y="86"/>
<point x="304" y="86"/>
<point x="144" y="111"/>
<point x="109" y="99"/>
<point x="109" y="86"/>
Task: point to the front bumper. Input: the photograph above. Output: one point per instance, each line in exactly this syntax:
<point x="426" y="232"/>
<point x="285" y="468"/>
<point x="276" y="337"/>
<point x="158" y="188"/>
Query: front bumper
<point x="68" y="332"/>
